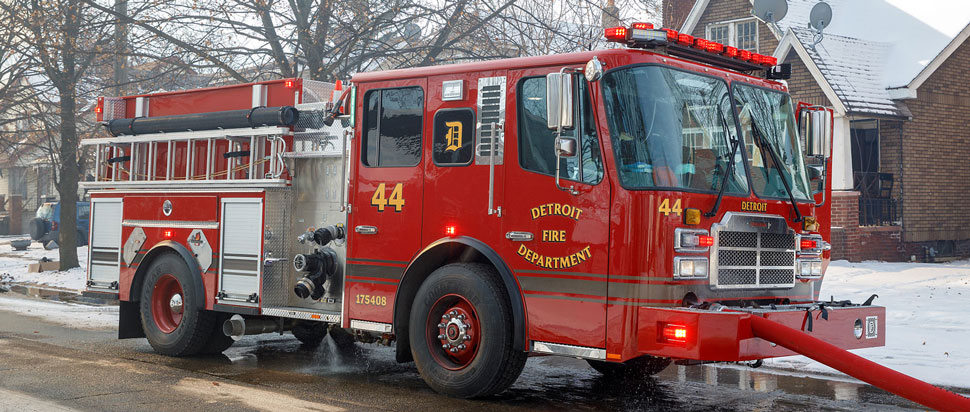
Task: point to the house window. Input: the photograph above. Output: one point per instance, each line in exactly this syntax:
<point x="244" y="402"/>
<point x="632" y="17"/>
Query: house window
<point x="742" y="34"/>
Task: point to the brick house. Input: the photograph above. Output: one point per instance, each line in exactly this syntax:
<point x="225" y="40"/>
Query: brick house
<point x="901" y="93"/>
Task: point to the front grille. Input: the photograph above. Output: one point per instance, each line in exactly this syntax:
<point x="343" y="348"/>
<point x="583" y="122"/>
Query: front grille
<point x="747" y="258"/>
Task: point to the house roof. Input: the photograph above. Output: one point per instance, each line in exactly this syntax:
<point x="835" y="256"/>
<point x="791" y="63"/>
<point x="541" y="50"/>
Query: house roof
<point x="853" y="69"/>
<point x="915" y="35"/>
<point x="873" y="51"/>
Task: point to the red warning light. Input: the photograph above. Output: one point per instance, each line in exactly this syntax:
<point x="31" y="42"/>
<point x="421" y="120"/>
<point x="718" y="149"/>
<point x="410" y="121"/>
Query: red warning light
<point x="705" y="240"/>
<point x="674" y="333"/>
<point x="642" y="26"/>
<point x="168" y="233"/>
<point x="451" y="230"/>
<point x="289" y="84"/>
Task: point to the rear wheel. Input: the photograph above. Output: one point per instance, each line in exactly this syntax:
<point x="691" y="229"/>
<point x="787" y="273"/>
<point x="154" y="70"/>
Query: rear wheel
<point x="170" y="316"/>
<point x="461" y="332"/>
<point x="636" y="368"/>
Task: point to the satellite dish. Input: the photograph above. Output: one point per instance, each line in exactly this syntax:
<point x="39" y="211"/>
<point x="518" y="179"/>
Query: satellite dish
<point x="820" y="16"/>
<point x="770" y="11"/>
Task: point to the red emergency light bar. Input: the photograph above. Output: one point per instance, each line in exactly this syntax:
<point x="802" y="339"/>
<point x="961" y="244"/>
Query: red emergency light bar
<point x="643" y="35"/>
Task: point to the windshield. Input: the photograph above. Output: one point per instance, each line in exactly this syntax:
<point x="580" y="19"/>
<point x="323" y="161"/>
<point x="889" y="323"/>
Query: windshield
<point x="671" y="128"/>
<point x="46" y="211"/>
<point x="768" y="123"/>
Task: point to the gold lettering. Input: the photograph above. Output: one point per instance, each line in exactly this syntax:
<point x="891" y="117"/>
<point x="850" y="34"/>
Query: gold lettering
<point x="522" y="250"/>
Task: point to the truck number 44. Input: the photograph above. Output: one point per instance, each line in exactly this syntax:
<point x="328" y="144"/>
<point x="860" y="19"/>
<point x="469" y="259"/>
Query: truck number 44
<point x="666" y="209"/>
<point x="396" y="199"/>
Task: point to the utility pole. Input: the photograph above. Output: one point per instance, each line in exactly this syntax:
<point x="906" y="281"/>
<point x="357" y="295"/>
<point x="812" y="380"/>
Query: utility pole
<point x="121" y="48"/>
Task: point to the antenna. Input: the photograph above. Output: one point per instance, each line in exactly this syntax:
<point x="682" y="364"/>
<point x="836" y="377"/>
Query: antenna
<point x="819" y="19"/>
<point x="771" y="11"/>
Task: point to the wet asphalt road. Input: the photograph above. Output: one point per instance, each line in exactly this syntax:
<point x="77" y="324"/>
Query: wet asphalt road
<point x="44" y="366"/>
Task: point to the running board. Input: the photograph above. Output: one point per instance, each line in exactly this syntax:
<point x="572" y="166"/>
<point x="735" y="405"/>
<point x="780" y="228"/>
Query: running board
<point x="568" y="350"/>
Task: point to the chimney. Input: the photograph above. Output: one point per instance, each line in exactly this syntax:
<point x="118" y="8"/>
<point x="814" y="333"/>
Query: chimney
<point x="611" y="15"/>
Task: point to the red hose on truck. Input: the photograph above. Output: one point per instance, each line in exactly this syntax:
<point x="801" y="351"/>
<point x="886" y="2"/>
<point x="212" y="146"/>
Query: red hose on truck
<point x="859" y="367"/>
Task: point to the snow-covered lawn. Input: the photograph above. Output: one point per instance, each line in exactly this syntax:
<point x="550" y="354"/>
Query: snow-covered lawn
<point x="927" y="305"/>
<point x="14" y="264"/>
<point x="928" y="317"/>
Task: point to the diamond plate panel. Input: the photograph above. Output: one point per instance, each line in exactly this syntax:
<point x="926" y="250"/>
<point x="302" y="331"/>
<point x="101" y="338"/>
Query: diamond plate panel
<point x="276" y="282"/>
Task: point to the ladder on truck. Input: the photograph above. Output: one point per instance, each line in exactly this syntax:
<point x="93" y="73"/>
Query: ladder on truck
<point x="133" y="161"/>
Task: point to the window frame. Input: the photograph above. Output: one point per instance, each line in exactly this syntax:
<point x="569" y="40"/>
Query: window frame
<point x="434" y="122"/>
<point x="732" y="26"/>
<point x="737" y="126"/>
<point x="577" y="117"/>
<point x="744" y="148"/>
<point x="363" y="137"/>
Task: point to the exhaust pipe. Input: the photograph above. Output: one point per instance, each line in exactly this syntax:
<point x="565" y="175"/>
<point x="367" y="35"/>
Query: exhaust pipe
<point x="237" y="326"/>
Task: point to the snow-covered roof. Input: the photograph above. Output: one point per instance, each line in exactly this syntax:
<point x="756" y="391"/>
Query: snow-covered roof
<point x="913" y="42"/>
<point x="853" y="68"/>
<point x="872" y="45"/>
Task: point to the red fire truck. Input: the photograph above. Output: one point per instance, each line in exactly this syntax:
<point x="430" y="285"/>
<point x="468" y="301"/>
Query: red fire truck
<point x="633" y="206"/>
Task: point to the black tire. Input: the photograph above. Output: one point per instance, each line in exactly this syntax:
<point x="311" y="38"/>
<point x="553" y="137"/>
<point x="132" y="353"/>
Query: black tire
<point x="193" y="331"/>
<point x="637" y="368"/>
<point x="37" y="228"/>
<point x="494" y="365"/>
<point x="310" y="334"/>
<point x="218" y="341"/>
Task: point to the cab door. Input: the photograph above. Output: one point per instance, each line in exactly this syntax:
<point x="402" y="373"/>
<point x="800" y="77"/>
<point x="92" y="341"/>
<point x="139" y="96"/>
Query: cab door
<point x="384" y="231"/>
<point x="557" y="239"/>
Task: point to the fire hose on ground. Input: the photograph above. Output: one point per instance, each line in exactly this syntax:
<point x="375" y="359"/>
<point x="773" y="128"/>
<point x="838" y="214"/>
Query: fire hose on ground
<point x="859" y="367"/>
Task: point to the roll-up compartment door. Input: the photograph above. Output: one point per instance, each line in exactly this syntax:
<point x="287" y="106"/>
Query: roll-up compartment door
<point x="104" y="253"/>
<point x="239" y="260"/>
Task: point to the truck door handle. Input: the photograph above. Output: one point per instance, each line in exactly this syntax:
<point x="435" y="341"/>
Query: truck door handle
<point x="366" y="230"/>
<point x="516" y="236"/>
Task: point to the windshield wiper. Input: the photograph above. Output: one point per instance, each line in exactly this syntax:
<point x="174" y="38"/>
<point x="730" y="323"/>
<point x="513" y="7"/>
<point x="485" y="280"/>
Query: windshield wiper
<point x="781" y="174"/>
<point x="727" y="176"/>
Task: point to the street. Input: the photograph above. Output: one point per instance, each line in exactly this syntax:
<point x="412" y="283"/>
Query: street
<point x="46" y="366"/>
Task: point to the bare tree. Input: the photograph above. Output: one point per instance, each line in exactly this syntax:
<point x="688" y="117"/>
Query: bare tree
<point x="58" y="42"/>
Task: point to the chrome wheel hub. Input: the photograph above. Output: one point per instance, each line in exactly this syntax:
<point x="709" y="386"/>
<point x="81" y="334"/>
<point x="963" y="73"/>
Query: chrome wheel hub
<point x="176" y="303"/>
<point x="454" y="332"/>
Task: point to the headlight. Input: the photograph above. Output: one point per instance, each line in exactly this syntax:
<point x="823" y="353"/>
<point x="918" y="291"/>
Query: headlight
<point x="690" y="268"/>
<point x="809" y="269"/>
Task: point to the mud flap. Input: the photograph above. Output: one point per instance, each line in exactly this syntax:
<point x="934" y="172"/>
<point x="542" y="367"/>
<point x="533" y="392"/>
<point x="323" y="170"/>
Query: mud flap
<point x="129" y="321"/>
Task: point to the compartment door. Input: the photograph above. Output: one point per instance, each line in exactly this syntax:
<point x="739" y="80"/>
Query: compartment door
<point x="239" y="260"/>
<point x="104" y="253"/>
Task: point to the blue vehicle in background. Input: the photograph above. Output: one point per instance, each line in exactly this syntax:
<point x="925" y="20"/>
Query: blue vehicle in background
<point x="45" y="226"/>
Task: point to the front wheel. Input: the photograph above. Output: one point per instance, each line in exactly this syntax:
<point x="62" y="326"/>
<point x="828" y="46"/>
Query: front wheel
<point x="637" y="368"/>
<point x="461" y="332"/>
<point x="170" y="316"/>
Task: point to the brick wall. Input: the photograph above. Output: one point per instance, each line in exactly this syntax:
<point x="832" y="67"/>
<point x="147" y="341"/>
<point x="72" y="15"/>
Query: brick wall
<point x="724" y="10"/>
<point x="936" y="147"/>
<point x="675" y="12"/>
<point x="856" y="244"/>
<point x="802" y="85"/>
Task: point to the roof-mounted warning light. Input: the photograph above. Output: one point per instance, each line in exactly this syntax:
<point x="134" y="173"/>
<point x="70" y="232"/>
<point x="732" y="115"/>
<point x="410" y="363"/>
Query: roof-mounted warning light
<point x="644" y="36"/>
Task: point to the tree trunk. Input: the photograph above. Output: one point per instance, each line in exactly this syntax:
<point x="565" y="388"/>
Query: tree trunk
<point x="67" y="182"/>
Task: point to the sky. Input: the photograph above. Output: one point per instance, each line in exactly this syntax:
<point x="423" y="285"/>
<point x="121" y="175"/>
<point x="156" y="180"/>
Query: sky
<point x="947" y="16"/>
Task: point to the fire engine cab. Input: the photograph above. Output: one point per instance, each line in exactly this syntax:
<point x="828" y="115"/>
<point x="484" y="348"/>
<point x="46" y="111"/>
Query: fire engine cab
<point x="633" y="206"/>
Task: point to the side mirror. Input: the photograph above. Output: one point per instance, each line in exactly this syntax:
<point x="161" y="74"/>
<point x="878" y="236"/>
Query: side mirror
<point x="566" y="147"/>
<point x="816" y="128"/>
<point x="559" y="100"/>
<point x="815" y="172"/>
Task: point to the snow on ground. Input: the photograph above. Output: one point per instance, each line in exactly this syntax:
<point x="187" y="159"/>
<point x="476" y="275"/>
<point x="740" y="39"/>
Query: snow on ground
<point x="68" y="314"/>
<point x="14" y="264"/>
<point x="928" y="325"/>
